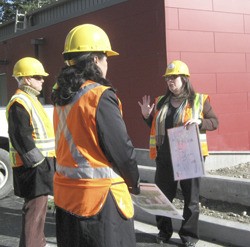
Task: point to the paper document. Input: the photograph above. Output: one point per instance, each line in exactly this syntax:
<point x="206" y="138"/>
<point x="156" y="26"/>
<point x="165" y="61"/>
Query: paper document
<point x="152" y="200"/>
<point x="186" y="153"/>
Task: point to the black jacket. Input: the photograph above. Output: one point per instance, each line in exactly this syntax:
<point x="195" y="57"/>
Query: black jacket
<point x="114" y="140"/>
<point x="28" y="182"/>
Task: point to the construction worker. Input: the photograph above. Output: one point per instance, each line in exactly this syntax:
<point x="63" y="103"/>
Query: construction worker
<point x="181" y="105"/>
<point x="96" y="165"/>
<point x="32" y="150"/>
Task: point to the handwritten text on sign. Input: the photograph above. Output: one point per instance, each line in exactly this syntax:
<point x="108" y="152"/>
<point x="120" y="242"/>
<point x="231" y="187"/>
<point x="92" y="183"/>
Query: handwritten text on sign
<point x="186" y="153"/>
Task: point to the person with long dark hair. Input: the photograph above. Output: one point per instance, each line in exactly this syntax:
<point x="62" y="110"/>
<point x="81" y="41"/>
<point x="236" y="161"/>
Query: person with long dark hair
<point x="96" y="167"/>
<point x="180" y="106"/>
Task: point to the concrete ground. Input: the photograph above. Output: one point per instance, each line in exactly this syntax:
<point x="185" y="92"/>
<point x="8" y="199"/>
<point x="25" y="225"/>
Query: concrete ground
<point x="10" y="225"/>
<point x="145" y="237"/>
<point x="212" y="230"/>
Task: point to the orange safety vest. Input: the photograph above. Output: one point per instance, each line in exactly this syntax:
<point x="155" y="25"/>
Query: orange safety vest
<point x="83" y="175"/>
<point x="43" y="132"/>
<point x="195" y="112"/>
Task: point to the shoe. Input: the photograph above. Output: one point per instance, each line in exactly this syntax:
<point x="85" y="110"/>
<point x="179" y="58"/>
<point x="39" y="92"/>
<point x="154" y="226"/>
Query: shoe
<point x="162" y="237"/>
<point x="189" y="244"/>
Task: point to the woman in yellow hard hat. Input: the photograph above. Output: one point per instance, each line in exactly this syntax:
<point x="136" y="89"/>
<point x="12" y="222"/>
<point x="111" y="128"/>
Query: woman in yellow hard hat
<point x="96" y="167"/>
<point x="180" y="106"/>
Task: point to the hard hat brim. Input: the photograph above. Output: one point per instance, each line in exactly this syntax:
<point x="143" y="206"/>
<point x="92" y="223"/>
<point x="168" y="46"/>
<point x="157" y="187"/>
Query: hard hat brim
<point x="23" y="75"/>
<point x="111" y="53"/>
<point x="108" y="53"/>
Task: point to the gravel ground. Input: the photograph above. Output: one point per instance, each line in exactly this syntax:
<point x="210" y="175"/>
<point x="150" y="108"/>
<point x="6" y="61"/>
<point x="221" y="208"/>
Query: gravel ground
<point x="219" y="209"/>
<point x="239" y="171"/>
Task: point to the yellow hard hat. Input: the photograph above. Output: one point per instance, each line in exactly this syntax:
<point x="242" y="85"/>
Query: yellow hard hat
<point x="28" y="66"/>
<point x="88" y="38"/>
<point x="177" y="67"/>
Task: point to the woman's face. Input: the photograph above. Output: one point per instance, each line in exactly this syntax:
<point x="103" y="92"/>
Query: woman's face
<point x="174" y="84"/>
<point x="102" y="63"/>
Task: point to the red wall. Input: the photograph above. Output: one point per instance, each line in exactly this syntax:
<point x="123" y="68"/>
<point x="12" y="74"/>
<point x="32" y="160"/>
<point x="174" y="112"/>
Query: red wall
<point x="213" y="38"/>
<point x="136" y="30"/>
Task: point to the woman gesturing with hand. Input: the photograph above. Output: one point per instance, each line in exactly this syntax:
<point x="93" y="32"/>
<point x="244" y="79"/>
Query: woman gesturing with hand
<point x="146" y="109"/>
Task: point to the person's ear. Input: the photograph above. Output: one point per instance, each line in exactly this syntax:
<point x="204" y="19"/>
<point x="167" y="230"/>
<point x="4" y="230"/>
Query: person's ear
<point x="26" y="80"/>
<point x="95" y="59"/>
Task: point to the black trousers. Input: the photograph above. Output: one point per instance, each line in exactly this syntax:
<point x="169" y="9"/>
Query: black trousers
<point x="107" y="229"/>
<point x="164" y="179"/>
<point x="33" y="220"/>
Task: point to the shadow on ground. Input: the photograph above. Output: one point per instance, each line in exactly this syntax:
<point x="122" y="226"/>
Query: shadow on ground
<point x="149" y="240"/>
<point x="11" y="221"/>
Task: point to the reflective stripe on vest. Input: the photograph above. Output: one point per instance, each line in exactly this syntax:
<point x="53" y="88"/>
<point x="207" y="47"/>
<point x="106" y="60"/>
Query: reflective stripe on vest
<point x="84" y="169"/>
<point x="43" y="133"/>
<point x="84" y="176"/>
<point x="195" y="113"/>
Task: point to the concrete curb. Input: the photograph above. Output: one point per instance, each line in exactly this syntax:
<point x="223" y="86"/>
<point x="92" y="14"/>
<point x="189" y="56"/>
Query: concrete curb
<point x="211" y="229"/>
<point x="232" y="190"/>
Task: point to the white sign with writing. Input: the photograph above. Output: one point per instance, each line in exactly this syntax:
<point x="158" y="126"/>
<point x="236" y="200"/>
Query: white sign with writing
<point x="185" y="148"/>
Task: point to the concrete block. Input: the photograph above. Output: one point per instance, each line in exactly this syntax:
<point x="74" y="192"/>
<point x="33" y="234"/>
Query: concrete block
<point x="233" y="190"/>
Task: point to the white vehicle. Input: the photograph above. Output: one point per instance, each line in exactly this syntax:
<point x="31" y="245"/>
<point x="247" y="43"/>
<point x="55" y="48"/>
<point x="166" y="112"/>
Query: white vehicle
<point x="6" y="178"/>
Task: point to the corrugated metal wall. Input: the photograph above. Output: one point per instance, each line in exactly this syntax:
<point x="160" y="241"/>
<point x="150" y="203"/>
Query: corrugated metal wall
<point x="55" y="13"/>
<point x="70" y="9"/>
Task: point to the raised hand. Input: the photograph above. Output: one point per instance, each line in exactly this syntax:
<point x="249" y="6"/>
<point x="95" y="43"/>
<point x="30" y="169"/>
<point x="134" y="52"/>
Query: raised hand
<point x="146" y="109"/>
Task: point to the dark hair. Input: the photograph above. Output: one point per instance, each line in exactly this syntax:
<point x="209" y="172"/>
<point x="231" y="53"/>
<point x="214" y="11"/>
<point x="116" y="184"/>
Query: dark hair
<point x="187" y="90"/>
<point x="73" y="76"/>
